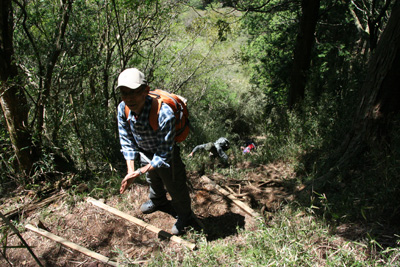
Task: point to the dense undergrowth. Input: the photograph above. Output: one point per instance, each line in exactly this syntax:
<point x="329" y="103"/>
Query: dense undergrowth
<point x="362" y="198"/>
<point x="293" y="238"/>
<point x="349" y="222"/>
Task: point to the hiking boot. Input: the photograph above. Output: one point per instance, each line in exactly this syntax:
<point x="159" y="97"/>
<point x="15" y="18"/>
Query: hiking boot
<point x="181" y="224"/>
<point x="149" y="207"/>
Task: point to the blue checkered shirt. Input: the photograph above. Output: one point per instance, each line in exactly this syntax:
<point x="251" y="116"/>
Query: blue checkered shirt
<point x="138" y="136"/>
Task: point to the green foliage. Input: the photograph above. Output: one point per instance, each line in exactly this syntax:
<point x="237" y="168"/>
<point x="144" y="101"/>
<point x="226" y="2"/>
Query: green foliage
<point x="294" y="136"/>
<point x="80" y="119"/>
<point x="234" y="71"/>
<point x="201" y="4"/>
<point x="367" y="190"/>
<point x="335" y="68"/>
<point x="4" y="234"/>
<point x="7" y="158"/>
<point x="269" y="52"/>
<point x="201" y="63"/>
<point x="197" y="4"/>
<point x="180" y="54"/>
<point x="293" y="237"/>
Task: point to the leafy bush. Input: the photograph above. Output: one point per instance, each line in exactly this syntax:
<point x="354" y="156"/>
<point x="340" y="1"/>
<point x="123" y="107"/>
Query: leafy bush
<point x="7" y="171"/>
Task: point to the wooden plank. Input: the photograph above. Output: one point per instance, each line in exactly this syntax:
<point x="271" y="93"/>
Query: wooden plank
<point x="72" y="245"/>
<point x="236" y="201"/>
<point x="154" y="229"/>
<point x="15" y="230"/>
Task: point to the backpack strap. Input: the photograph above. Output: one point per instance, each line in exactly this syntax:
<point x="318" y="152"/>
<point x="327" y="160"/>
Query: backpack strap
<point x="156" y="103"/>
<point x="154" y="111"/>
<point x="127" y="111"/>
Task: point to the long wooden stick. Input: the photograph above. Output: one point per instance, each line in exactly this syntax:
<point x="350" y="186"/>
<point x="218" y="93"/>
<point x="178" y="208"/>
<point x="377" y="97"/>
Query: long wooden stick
<point x="69" y="244"/>
<point x="15" y="230"/>
<point x="154" y="229"/>
<point x="236" y="201"/>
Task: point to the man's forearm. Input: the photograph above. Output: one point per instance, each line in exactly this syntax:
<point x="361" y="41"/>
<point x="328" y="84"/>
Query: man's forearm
<point x="132" y="174"/>
<point x="131" y="165"/>
<point x="199" y="147"/>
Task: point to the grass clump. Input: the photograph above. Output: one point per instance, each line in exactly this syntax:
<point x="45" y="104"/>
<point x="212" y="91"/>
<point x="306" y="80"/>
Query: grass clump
<point x="295" y="237"/>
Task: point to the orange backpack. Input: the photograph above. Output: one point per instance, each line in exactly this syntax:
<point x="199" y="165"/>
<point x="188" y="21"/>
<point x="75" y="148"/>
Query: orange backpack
<point x="178" y="105"/>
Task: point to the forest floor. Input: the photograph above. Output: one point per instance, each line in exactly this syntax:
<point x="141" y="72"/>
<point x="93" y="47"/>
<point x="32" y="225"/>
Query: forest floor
<point x="263" y="188"/>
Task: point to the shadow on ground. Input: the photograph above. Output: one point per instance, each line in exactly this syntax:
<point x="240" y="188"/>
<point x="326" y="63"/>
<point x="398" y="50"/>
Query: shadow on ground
<point x="222" y="226"/>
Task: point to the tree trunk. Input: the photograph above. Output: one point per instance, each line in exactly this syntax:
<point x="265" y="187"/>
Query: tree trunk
<point x="52" y="59"/>
<point x="302" y="54"/>
<point x="380" y="95"/>
<point x="12" y="97"/>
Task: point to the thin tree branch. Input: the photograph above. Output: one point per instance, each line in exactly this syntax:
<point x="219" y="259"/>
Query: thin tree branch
<point x="9" y="224"/>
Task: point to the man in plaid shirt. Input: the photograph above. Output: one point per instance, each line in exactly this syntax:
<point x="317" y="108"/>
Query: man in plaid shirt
<point x="159" y="155"/>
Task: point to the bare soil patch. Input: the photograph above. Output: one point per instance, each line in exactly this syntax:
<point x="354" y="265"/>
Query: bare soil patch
<point x="263" y="188"/>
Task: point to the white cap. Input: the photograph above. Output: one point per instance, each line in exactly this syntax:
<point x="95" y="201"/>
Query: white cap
<point x="131" y="78"/>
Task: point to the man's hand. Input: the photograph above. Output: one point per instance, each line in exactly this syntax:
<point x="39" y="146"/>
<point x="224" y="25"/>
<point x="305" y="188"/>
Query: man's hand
<point x="127" y="181"/>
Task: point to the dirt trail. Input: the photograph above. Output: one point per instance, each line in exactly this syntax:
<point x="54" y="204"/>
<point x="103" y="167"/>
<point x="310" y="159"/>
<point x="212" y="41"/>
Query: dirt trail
<point x="263" y="188"/>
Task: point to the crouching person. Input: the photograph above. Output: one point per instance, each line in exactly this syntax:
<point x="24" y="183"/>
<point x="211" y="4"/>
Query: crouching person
<point x="157" y="151"/>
